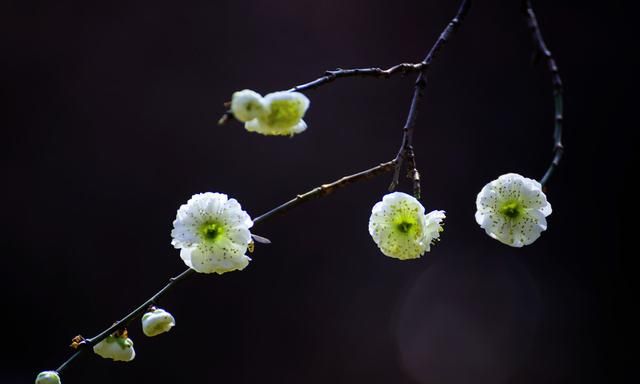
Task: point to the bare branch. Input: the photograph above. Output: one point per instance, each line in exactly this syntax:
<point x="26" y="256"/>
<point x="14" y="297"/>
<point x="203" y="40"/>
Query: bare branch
<point x="406" y="146"/>
<point x="541" y="48"/>
<point x="326" y="189"/>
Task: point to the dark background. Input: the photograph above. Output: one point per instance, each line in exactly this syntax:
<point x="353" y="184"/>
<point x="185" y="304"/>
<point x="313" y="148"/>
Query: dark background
<point x="110" y="124"/>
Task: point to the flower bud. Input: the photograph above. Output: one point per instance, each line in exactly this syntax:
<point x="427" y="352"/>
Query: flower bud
<point x="247" y="105"/>
<point x="117" y="347"/>
<point x="48" y="377"/>
<point x="156" y="322"/>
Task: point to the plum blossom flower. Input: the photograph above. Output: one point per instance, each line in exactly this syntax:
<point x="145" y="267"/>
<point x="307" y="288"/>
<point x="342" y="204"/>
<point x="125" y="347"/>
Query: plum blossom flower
<point x="283" y="115"/>
<point x="116" y="346"/>
<point x="212" y="233"/>
<point x="156" y="322"/>
<point x="400" y="228"/>
<point x="513" y="210"/>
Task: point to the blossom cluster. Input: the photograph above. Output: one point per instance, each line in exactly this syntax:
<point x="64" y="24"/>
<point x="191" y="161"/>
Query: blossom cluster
<point x="213" y="234"/>
<point x="212" y="231"/>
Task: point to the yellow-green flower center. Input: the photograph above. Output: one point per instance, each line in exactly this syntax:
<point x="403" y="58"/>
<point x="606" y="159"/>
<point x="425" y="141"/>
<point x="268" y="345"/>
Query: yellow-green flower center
<point x="511" y="209"/>
<point x="211" y="231"/>
<point x="404" y="226"/>
<point x="284" y="113"/>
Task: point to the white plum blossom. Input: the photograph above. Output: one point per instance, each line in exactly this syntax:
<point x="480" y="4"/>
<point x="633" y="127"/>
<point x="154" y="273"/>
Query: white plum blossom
<point x="513" y="209"/>
<point x="48" y="377"/>
<point x="117" y="347"/>
<point x="246" y="105"/>
<point x="400" y="228"/>
<point x="157" y="321"/>
<point x="283" y="115"/>
<point x="212" y="233"/>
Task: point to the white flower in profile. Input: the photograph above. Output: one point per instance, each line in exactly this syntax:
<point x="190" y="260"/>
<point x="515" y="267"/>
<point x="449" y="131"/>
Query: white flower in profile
<point x="283" y="116"/>
<point x="212" y="233"/>
<point x="246" y="105"/>
<point x="156" y="322"/>
<point x="48" y="377"/>
<point x="400" y="228"/>
<point x="513" y="210"/>
<point x="117" y="347"/>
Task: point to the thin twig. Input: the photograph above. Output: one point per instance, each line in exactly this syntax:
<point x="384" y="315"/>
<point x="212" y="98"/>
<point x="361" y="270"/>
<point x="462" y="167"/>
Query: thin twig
<point x="541" y="48"/>
<point x="320" y="191"/>
<point x="326" y="189"/>
<point x="406" y="146"/>
<point x="330" y="76"/>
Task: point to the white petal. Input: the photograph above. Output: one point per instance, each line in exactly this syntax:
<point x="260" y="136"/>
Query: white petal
<point x="185" y="255"/>
<point x="239" y="235"/>
<point x="247" y="105"/>
<point x="299" y="128"/>
<point x="184" y="235"/>
<point x="115" y="348"/>
<point x="218" y="258"/>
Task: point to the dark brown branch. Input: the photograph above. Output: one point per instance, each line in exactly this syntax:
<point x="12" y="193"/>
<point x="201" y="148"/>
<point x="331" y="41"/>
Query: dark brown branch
<point x="406" y="146"/>
<point x="326" y="189"/>
<point x="556" y="81"/>
<point x="330" y="76"/>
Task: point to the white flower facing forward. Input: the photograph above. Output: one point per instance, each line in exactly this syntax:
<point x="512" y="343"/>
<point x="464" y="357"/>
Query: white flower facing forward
<point x="48" y="377"/>
<point x="117" y="347"/>
<point x="156" y="322"/>
<point x="246" y="105"/>
<point x="283" y="115"/>
<point x="512" y="210"/>
<point x="400" y="228"/>
<point x="212" y="233"/>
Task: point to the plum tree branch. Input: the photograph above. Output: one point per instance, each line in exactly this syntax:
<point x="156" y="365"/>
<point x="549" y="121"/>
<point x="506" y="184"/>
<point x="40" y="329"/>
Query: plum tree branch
<point x="326" y="189"/>
<point x="556" y="81"/>
<point x="406" y="151"/>
<point x="406" y="147"/>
